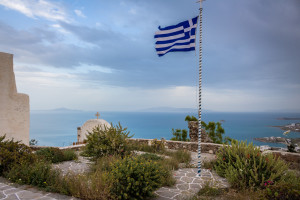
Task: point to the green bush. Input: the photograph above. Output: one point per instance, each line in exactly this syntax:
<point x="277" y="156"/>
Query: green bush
<point x="95" y="186"/>
<point x="155" y="147"/>
<point x="208" y="190"/>
<point x="110" y="141"/>
<point x="287" y="188"/>
<point x="179" y="135"/>
<point x="136" y="177"/>
<point x="190" y="118"/>
<point x="70" y="154"/>
<point x="55" y="155"/>
<point x="215" y="131"/>
<point x="158" y="146"/>
<point x="244" y="166"/>
<point x="150" y="156"/>
<point x="51" y="154"/>
<point x="13" y="153"/>
<point x="37" y="173"/>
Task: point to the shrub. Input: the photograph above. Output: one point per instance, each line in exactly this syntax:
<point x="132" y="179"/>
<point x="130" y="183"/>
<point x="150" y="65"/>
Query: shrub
<point x="55" y="155"/>
<point x="215" y="131"/>
<point x="208" y="190"/>
<point x="181" y="156"/>
<point x="244" y="166"/>
<point x="13" y="153"/>
<point x="287" y="188"/>
<point x="136" y="177"/>
<point x="95" y="186"/>
<point x="150" y="156"/>
<point x="37" y="173"/>
<point x="158" y="146"/>
<point x="190" y="118"/>
<point x="179" y="135"/>
<point x="70" y="154"/>
<point x="104" y="163"/>
<point x="110" y="141"/>
<point x="155" y="147"/>
<point x="51" y="154"/>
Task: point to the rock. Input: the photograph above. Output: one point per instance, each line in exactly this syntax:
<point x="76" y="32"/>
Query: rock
<point x="265" y="148"/>
<point x="193" y="133"/>
<point x="211" y="151"/>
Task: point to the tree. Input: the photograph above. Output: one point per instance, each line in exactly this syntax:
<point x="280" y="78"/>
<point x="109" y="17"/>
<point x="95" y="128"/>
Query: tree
<point x="215" y="131"/>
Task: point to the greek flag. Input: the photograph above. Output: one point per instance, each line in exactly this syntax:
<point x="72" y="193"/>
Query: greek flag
<point x="180" y="37"/>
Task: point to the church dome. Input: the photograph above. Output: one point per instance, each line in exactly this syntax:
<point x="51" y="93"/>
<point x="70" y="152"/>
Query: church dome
<point x="89" y="125"/>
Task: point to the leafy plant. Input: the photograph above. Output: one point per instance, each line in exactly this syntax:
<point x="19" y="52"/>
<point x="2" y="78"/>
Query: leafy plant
<point x="37" y="173"/>
<point x="244" y="166"/>
<point x="69" y="154"/>
<point x="95" y="186"/>
<point x="215" y="131"/>
<point x="179" y="135"/>
<point x="151" y="156"/>
<point x="13" y="153"/>
<point x="55" y="155"/>
<point x="158" y="146"/>
<point x="190" y="118"/>
<point x="287" y="188"/>
<point x="182" y="156"/>
<point x="208" y="190"/>
<point x="110" y="141"/>
<point x="136" y="177"/>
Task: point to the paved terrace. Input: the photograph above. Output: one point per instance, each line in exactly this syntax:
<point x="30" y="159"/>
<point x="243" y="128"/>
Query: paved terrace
<point x="187" y="183"/>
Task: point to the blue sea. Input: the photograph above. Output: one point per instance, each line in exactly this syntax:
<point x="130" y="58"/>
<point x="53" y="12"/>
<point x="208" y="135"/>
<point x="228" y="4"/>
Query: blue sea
<point x="59" y="128"/>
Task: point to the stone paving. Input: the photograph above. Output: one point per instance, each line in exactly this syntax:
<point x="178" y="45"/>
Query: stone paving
<point x="79" y="166"/>
<point x="10" y="191"/>
<point x="187" y="182"/>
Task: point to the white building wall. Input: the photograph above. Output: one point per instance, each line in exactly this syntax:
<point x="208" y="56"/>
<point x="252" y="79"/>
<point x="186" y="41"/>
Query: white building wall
<point x="14" y="107"/>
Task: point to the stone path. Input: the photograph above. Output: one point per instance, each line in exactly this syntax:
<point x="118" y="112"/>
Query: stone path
<point x="79" y="166"/>
<point x="10" y="191"/>
<point x="187" y="182"/>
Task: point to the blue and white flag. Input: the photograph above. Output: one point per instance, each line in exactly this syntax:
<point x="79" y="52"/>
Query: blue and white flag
<point x="180" y="37"/>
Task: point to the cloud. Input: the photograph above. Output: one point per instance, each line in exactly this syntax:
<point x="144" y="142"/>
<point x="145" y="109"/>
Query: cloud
<point x="37" y="9"/>
<point x="250" y="55"/>
<point x="79" y="13"/>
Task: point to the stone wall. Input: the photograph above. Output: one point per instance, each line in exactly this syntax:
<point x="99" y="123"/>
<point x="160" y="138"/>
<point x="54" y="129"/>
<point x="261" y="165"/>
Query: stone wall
<point x="293" y="158"/>
<point x="191" y="146"/>
<point x="175" y="145"/>
<point x="14" y="107"/>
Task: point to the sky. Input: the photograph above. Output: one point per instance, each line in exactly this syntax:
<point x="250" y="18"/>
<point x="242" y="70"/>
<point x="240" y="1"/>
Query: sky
<point x="100" y="55"/>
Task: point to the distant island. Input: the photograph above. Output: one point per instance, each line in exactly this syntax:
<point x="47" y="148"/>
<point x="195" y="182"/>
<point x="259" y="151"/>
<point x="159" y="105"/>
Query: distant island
<point x="280" y="140"/>
<point x="294" y="127"/>
<point x="289" y="118"/>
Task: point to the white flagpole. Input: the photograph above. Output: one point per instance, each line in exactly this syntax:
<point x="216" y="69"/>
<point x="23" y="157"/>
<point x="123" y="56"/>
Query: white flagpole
<point x="200" y="84"/>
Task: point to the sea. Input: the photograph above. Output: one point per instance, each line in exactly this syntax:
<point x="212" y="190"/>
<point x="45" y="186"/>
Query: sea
<point x="59" y="127"/>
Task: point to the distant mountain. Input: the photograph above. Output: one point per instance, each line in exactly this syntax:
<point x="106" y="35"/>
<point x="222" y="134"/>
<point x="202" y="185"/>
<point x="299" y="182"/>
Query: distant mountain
<point x="169" y="109"/>
<point x="58" y="110"/>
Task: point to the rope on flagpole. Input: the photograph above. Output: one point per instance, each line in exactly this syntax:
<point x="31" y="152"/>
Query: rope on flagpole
<point x="200" y="84"/>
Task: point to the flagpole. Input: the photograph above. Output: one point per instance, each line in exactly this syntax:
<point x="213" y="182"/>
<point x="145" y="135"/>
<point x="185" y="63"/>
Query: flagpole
<point x="200" y="85"/>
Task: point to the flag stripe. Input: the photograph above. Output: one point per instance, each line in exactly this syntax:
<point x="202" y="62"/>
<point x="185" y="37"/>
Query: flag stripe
<point x="169" y="31"/>
<point x="179" y="48"/>
<point x="172" y="43"/>
<point x="174" y="50"/>
<point x="169" y="34"/>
